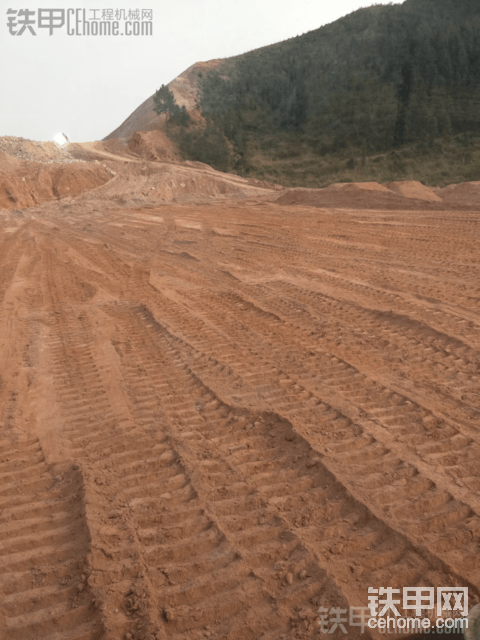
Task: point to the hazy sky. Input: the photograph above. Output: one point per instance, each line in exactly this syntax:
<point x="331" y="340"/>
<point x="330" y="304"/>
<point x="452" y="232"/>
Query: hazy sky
<point x="85" y="86"/>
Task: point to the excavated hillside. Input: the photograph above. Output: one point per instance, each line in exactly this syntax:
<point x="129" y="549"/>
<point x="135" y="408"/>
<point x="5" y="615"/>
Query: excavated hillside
<point x="228" y="408"/>
<point x="184" y="89"/>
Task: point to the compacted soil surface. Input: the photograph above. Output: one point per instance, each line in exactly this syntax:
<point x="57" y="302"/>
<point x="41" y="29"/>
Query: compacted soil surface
<point x="220" y="414"/>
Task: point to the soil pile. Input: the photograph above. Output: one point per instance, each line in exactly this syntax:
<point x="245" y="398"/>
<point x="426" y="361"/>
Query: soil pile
<point x="361" y="195"/>
<point x="354" y="187"/>
<point x="465" y="194"/>
<point x="145" y="171"/>
<point x="47" y="152"/>
<point x="413" y="189"/>
<point x="26" y="184"/>
<point x="159" y="182"/>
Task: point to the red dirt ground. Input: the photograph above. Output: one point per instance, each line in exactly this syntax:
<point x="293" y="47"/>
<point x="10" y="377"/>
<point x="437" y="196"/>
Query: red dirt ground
<point x="221" y="410"/>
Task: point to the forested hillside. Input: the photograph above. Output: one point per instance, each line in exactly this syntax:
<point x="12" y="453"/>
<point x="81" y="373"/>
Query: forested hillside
<point x="380" y="79"/>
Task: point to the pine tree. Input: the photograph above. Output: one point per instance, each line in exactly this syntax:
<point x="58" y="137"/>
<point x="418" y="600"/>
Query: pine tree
<point x="164" y="101"/>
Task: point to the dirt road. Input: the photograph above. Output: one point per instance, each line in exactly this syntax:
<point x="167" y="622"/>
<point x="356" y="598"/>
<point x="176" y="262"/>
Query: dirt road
<point x="217" y="418"/>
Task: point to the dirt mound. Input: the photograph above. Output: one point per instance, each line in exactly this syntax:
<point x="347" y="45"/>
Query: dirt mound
<point x="413" y="189"/>
<point x="158" y="178"/>
<point x="185" y="90"/>
<point x="29" y="183"/>
<point x="152" y="145"/>
<point x="155" y="182"/>
<point x="352" y="187"/>
<point x="368" y="195"/>
<point x="408" y="194"/>
<point x="46" y="152"/>
<point x="464" y="194"/>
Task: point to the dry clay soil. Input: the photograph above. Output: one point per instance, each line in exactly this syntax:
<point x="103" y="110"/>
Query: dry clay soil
<point x="219" y="412"/>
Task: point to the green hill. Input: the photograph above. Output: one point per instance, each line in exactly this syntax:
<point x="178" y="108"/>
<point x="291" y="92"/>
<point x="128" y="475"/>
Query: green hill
<point x="398" y="82"/>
